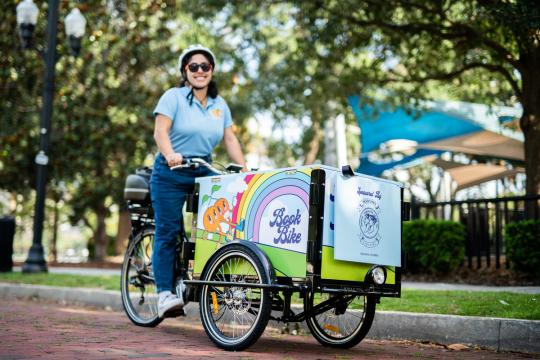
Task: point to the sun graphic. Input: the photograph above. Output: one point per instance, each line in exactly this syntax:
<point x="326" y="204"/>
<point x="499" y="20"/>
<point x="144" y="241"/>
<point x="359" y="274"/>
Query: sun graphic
<point x="216" y="113"/>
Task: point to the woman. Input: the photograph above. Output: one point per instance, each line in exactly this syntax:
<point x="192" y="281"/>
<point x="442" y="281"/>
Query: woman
<point x="190" y="121"/>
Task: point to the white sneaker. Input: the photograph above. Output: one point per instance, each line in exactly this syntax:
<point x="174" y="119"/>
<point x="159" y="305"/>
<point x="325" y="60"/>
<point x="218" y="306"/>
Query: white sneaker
<point x="167" y="302"/>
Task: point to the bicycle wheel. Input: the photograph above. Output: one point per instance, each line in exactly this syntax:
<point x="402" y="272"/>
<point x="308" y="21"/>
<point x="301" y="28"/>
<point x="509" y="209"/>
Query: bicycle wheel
<point x="234" y="317"/>
<point x="139" y="293"/>
<point x="339" y="325"/>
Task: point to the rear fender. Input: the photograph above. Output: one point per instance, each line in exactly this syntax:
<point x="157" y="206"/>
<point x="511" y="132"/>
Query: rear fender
<point x="267" y="265"/>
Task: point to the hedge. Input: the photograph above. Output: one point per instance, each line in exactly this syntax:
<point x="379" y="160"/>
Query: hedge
<point x="433" y="246"/>
<point x="522" y="241"/>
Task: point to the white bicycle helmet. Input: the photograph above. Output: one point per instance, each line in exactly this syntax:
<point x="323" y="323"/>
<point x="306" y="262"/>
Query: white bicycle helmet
<point x="196" y="48"/>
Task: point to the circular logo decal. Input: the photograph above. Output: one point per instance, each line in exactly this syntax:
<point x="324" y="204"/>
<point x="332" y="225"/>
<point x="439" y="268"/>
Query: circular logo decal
<point x="369" y="223"/>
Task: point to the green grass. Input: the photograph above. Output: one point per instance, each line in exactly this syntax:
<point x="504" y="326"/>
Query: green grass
<point x="105" y="282"/>
<point x="467" y="303"/>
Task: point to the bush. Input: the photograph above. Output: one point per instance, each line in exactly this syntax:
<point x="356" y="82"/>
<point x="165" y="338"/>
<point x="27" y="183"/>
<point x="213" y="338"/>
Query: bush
<point x="523" y="246"/>
<point x="433" y="246"/>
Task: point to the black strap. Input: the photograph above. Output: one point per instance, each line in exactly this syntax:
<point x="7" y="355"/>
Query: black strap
<point x="190" y="97"/>
<point x="347" y="171"/>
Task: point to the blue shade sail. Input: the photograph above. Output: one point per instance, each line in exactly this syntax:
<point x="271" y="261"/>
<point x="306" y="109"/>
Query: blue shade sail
<point x="438" y="121"/>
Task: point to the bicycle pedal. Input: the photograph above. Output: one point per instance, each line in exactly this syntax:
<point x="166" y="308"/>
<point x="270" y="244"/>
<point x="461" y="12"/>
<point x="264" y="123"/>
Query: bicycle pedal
<point x="174" y="313"/>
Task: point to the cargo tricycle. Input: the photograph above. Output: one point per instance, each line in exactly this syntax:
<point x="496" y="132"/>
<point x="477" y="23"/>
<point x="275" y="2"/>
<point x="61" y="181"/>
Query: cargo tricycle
<point x="309" y="243"/>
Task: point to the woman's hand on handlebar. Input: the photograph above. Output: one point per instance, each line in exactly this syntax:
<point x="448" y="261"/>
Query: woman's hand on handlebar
<point x="174" y="159"/>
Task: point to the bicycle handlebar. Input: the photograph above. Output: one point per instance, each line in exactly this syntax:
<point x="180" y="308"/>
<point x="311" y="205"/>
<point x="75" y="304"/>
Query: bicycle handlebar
<point x="194" y="163"/>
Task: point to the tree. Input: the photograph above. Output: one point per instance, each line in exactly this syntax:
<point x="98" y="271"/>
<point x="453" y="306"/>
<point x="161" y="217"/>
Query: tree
<point x="478" y="50"/>
<point x="102" y="122"/>
<point x="20" y="85"/>
<point x="105" y="125"/>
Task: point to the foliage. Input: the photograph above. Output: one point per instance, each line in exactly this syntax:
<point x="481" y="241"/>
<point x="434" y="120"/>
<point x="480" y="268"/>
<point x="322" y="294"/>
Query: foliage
<point x="433" y="246"/>
<point x="522" y="241"/>
<point x="311" y="55"/>
<point x="421" y="182"/>
<point x="288" y="79"/>
<point x="20" y="85"/>
<point x="102" y="122"/>
<point x="299" y="60"/>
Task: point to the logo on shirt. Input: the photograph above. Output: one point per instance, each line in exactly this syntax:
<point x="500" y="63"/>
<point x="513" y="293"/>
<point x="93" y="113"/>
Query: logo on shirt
<point x="216" y="113"/>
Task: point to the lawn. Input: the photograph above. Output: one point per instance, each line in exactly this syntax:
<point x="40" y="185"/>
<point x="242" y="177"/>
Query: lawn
<point x="104" y="282"/>
<point x="468" y="303"/>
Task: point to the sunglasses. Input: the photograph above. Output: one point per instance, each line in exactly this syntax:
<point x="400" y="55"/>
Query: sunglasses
<point x="194" y="67"/>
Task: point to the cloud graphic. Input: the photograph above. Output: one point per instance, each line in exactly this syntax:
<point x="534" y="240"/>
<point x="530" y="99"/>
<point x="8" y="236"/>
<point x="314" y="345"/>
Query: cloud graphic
<point x="237" y="186"/>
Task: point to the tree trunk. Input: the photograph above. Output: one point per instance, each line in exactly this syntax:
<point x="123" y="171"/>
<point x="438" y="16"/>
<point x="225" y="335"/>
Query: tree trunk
<point x="124" y="229"/>
<point x="100" y="236"/>
<point x="530" y="125"/>
<point x="532" y="152"/>
<point x="54" y="240"/>
<point x="532" y="160"/>
<point x="314" y="144"/>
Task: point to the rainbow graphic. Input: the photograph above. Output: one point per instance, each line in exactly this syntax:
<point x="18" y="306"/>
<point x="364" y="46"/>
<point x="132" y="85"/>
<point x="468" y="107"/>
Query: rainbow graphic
<point x="262" y="189"/>
<point x="254" y="198"/>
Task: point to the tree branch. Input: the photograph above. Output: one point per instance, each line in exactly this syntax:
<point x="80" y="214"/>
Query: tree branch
<point x="455" y="31"/>
<point x="87" y="223"/>
<point x="503" y="53"/>
<point x="453" y="74"/>
<point x="420" y="6"/>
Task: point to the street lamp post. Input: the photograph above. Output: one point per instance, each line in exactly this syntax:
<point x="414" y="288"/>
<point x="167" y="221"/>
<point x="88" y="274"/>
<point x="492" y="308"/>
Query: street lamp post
<point x="27" y="13"/>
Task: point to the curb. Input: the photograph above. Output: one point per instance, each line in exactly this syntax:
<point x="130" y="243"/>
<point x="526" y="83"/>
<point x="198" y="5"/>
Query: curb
<point x="493" y="333"/>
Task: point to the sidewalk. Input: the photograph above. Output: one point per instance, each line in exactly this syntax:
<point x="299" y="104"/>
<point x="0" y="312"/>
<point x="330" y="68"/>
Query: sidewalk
<point x="44" y="330"/>
<point x="494" y="333"/>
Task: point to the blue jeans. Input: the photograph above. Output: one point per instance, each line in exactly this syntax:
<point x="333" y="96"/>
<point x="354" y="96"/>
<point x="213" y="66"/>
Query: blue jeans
<point x="168" y="189"/>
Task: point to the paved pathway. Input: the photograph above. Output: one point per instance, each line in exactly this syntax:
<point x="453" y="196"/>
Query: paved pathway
<point x="45" y="330"/>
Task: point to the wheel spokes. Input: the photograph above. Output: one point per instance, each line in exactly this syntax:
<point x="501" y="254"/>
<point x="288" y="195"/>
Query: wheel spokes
<point x="234" y="309"/>
<point x="340" y="325"/>
<point x="141" y="289"/>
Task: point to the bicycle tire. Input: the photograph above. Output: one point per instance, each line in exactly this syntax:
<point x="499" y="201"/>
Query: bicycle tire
<point x="342" y="328"/>
<point x="137" y="279"/>
<point x="249" y="307"/>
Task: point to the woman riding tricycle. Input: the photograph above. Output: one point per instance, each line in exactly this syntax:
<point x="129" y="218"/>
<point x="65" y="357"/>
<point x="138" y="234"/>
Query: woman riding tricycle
<point x="261" y="241"/>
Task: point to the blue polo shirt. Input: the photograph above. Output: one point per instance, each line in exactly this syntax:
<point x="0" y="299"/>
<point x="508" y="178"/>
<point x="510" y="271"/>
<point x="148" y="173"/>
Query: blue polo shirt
<point x="195" y="130"/>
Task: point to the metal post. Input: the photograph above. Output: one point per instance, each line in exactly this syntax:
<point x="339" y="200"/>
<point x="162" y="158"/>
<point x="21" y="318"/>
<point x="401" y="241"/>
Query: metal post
<point x="36" y="259"/>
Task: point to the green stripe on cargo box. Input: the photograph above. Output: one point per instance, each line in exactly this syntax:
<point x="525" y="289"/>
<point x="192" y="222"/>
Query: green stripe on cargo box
<point x="347" y="270"/>
<point x="286" y="262"/>
<point x="203" y="250"/>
